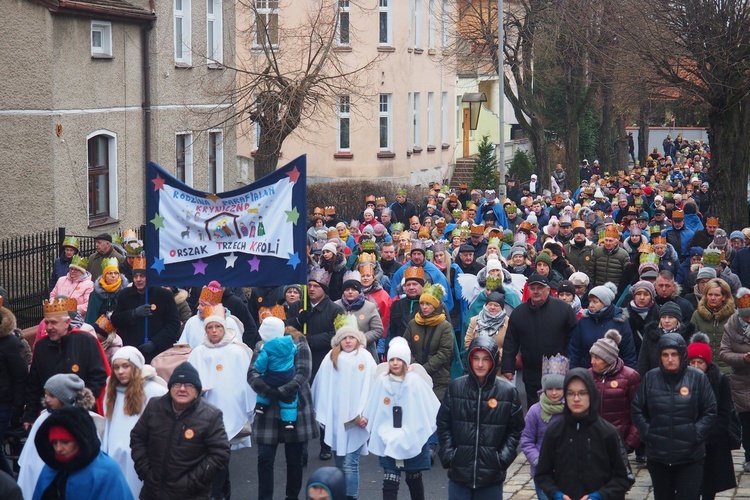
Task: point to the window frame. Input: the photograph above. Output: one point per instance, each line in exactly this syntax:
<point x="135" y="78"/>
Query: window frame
<point x="430" y="118"/>
<point x="431" y="25"/>
<point x="110" y="171"/>
<point x="217" y="176"/>
<point x="385" y="111"/>
<point x="344" y="115"/>
<point x="385" y="10"/>
<point x="188" y="156"/>
<point x="444" y="118"/>
<point x="417" y="120"/>
<point x="216" y="34"/>
<point x="445" y="22"/>
<point x="105" y="28"/>
<point x="184" y="14"/>
<point x="268" y="9"/>
<point x="344" y="16"/>
<point x="417" y="26"/>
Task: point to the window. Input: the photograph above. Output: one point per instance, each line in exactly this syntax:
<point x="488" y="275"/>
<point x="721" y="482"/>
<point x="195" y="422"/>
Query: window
<point x="244" y="166"/>
<point x="444" y="117"/>
<point x="184" y="157"/>
<point x="430" y="118"/>
<point x="182" y="46"/>
<point x="431" y="26"/>
<point x="266" y="23"/>
<point x="417" y="27"/>
<point x="385" y="122"/>
<point x="384" y="22"/>
<point x="215" y="163"/>
<point x="101" y="39"/>
<point x="417" y="132"/>
<point x="459" y="119"/>
<point x="344" y="123"/>
<point x="409" y="121"/>
<point x="214" y="32"/>
<point x="102" y="176"/>
<point x="445" y="22"/>
<point x="343" y="27"/>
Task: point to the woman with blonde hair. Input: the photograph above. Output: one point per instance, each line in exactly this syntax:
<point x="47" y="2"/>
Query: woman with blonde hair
<point x="713" y="312"/>
<point x="132" y="384"/>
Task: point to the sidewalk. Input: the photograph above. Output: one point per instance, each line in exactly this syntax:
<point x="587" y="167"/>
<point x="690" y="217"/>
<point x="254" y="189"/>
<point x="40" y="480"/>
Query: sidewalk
<point x="519" y="486"/>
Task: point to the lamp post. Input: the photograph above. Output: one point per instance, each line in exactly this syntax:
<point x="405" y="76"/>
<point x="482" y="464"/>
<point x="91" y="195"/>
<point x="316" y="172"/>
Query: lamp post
<point x="501" y="192"/>
<point x="475" y="101"/>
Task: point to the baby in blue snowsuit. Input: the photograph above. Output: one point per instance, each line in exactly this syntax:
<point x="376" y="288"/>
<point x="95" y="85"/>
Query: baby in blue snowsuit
<point x="275" y="363"/>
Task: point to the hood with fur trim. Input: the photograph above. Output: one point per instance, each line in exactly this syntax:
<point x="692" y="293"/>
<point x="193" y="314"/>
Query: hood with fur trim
<point x="79" y="423"/>
<point x="7" y="322"/>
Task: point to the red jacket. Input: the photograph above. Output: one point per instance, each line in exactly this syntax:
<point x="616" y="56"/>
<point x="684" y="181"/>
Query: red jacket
<point x="617" y="389"/>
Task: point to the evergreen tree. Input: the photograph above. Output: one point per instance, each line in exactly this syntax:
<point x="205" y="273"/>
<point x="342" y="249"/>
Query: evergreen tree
<point x="521" y="167"/>
<point x="485" y="172"/>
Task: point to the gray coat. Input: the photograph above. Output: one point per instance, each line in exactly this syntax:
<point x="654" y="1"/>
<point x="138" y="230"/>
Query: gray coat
<point x="369" y="323"/>
<point x="734" y="345"/>
<point x="267" y="428"/>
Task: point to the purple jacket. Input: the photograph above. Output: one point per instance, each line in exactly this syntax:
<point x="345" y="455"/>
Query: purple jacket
<point x="533" y="433"/>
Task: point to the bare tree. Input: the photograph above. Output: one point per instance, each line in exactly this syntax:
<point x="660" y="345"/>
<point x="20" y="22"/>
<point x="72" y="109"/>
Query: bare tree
<point x="702" y="47"/>
<point x="297" y="70"/>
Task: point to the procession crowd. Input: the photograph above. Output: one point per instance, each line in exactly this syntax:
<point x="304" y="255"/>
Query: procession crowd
<point x="622" y="301"/>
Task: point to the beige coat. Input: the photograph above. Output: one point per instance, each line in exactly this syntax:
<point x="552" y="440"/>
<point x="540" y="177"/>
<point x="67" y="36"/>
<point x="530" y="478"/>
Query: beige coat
<point x="734" y="345"/>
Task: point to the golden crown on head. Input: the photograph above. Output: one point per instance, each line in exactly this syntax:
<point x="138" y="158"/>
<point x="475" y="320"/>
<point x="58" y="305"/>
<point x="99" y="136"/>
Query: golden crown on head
<point x="743" y="302"/>
<point x="139" y="263"/>
<point x="366" y="258"/>
<point x="59" y="307"/>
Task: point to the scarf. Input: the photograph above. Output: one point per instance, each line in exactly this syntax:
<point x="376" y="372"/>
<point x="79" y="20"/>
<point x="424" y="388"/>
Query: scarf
<point x="113" y="287"/>
<point x="576" y="304"/>
<point x="441" y="265"/>
<point x="550" y="407"/>
<point x="432" y="320"/>
<point x="520" y="269"/>
<point x="596" y="315"/>
<point x="227" y="339"/>
<point x="354" y="305"/>
<point x="697" y="292"/>
<point x="487" y="324"/>
<point x="642" y="311"/>
<point x="744" y="325"/>
<point x="375" y="287"/>
<point x="108" y="341"/>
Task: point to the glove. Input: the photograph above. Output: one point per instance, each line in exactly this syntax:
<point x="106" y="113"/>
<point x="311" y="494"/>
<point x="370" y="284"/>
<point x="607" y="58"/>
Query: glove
<point x="303" y="316"/>
<point x="558" y="495"/>
<point x="147" y="349"/>
<point x="142" y="311"/>
<point x="595" y="496"/>
<point x="381" y="346"/>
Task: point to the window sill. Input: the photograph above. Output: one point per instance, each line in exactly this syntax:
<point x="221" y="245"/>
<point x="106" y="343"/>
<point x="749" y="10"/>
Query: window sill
<point x="431" y="52"/>
<point x="445" y="146"/>
<point x="102" y="56"/>
<point x="430" y="149"/>
<point x="386" y="155"/>
<point x="106" y="221"/>
<point x="343" y="48"/>
<point x="409" y="152"/>
<point x="418" y="51"/>
<point x="215" y="65"/>
<point x="182" y="65"/>
<point x="417" y="150"/>
<point x="343" y="155"/>
<point x="386" y="48"/>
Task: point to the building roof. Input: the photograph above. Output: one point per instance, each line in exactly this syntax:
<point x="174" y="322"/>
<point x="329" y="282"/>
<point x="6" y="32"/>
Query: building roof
<point x="105" y="9"/>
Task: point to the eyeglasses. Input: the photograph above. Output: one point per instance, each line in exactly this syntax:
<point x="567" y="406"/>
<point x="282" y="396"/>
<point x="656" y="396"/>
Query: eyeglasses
<point x="180" y="385"/>
<point x="580" y="395"/>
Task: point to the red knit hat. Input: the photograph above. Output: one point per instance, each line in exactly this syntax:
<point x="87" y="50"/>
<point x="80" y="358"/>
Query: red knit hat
<point x="699" y="349"/>
<point x="59" y="433"/>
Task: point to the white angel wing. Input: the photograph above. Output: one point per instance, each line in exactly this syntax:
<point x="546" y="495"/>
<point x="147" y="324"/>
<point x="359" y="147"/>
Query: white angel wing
<point x="469" y="286"/>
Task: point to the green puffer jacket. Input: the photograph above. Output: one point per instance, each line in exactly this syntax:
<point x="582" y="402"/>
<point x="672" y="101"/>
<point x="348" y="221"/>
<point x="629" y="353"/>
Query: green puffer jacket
<point x="608" y="266"/>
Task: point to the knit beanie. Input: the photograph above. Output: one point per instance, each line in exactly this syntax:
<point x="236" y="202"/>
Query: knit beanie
<point x="496" y="296"/>
<point x="271" y="328"/>
<point x="737" y="235"/>
<point x="352" y="279"/>
<point x="606" y="348"/>
<point x="493" y="264"/>
<point x="331" y="247"/>
<point x="707" y="273"/>
<point x="185" y="374"/>
<point x="579" y="279"/>
<point x="543" y="256"/>
<point x="671" y="309"/>
<point x="567" y="287"/>
<point x="215" y="318"/>
<point x="130" y="353"/>
<point x="399" y="348"/>
<point x="432" y="294"/>
<point x="643" y="285"/>
<point x="720" y="237"/>
<point x="605" y="293"/>
<point x="699" y="347"/>
<point x="65" y="387"/>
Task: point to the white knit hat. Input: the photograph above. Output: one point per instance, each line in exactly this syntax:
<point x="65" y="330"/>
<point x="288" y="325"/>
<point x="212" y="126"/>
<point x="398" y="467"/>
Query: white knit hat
<point x="348" y="331"/>
<point x="331" y="247"/>
<point x="493" y="264"/>
<point x="271" y="328"/>
<point x="399" y="348"/>
<point x="130" y="353"/>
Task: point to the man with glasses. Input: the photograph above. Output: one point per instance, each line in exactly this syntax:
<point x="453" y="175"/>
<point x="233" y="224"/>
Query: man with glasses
<point x="179" y="442"/>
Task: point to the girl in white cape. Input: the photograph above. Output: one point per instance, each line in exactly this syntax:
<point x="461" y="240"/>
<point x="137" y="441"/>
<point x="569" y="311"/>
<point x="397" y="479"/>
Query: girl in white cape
<point x="222" y="361"/>
<point x="339" y="394"/>
<point x="65" y="389"/>
<point x="401" y="413"/>
<point x="129" y="389"/>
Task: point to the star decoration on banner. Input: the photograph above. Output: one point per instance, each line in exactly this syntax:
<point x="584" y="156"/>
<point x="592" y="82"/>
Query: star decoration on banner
<point x="254" y="264"/>
<point x="200" y="267"/>
<point x="292" y="215"/>
<point x="158" y="265"/>
<point x="293" y="260"/>
<point x="157" y="221"/>
<point x="231" y="258"/>
<point x="293" y="175"/>
<point x="158" y="183"/>
<point x="213" y="197"/>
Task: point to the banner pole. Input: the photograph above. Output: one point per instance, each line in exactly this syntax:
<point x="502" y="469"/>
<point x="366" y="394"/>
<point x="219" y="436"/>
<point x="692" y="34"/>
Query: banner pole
<point x="304" y="304"/>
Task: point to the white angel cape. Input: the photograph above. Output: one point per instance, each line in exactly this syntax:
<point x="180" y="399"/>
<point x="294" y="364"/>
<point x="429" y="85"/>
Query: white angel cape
<point x="223" y="373"/>
<point x="339" y="395"/>
<point x="419" y="406"/>
<point x="116" y="441"/>
<point x="195" y="330"/>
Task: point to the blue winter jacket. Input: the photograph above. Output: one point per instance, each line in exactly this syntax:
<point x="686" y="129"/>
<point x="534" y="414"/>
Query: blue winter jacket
<point x="591" y="328"/>
<point x="277" y="355"/>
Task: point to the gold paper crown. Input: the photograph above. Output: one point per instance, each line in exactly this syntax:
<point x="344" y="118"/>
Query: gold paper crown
<point x="214" y="310"/>
<point x="743" y="302"/>
<point x="329" y="210"/>
<point x="380" y="200"/>
<point x="211" y="297"/>
<point x="332" y="233"/>
<point x="59" y="307"/>
<point x="105" y="324"/>
<point x="277" y="311"/>
<point x="397" y="226"/>
<point x="414" y="272"/>
<point x="612" y="232"/>
<point x="343" y="320"/>
<point x="712" y="221"/>
<point x="367" y="259"/>
<point x="129" y="235"/>
<point x="645" y="248"/>
<point x="578" y="223"/>
<point x="678" y="214"/>
<point x="659" y="240"/>
<point x="477" y="229"/>
<point x="139" y="263"/>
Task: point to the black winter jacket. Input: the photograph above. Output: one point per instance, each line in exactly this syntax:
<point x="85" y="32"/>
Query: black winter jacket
<point x="580" y="456"/>
<point x="13" y="367"/>
<point x="402" y="312"/>
<point x="320" y="329"/>
<point x="648" y="357"/>
<point x="178" y="456"/>
<point x="479" y="427"/>
<point x="674" y="412"/>
<point x="638" y="324"/>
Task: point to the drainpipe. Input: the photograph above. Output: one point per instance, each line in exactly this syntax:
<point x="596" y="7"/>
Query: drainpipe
<point x="146" y="73"/>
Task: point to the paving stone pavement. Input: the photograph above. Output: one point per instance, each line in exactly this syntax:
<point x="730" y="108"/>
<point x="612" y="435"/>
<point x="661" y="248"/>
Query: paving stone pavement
<point x="519" y="486"/>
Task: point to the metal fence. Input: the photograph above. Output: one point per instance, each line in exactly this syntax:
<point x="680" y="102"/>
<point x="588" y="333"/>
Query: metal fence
<point x="26" y="267"/>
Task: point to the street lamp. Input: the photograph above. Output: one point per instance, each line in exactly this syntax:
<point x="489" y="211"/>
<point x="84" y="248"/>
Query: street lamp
<point x="475" y="101"/>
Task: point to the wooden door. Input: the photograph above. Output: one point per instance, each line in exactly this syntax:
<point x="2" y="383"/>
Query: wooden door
<point x="465" y="126"/>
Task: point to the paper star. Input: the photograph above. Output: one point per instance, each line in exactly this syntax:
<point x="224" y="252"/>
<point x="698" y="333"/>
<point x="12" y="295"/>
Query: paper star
<point x="157" y="221"/>
<point x="254" y="264"/>
<point x="213" y="197"/>
<point x="293" y="260"/>
<point x="293" y="175"/>
<point x="158" y="183"/>
<point x="230" y="260"/>
<point x="200" y="267"/>
<point x="158" y="265"/>
<point x="292" y="215"/>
